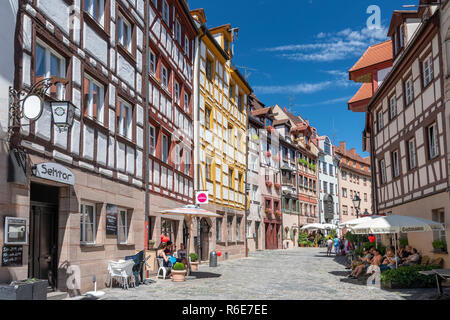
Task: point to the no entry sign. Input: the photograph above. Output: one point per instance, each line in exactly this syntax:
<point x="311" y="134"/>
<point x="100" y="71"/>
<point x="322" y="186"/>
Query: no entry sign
<point x="201" y="197"/>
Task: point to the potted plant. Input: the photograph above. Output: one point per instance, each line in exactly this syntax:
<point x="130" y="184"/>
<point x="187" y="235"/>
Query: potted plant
<point x="270" y="129"/>
<point x="440" y="246"/>
<point x="269" y="183"/>
<point x="178" y="272"/>
<point x="255" y="137"/>
<point x="277" y="186"/>
<point x="28" y="289"/>
<point x="278" y="213"/>
<point x="268" y="154"/>
<point x="151" y="244"/>
<point x="194" y="261"/>
<point x="269" y="211"/>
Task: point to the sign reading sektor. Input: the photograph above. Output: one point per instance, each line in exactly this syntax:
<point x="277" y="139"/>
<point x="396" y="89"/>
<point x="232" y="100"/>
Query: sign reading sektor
<point x="54" y="172"/>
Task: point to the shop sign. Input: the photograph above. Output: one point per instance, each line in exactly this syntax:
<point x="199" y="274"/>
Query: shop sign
<point x="54" y="172"/>
<point x="201" y="197"/>
<point x="111" y="219"/>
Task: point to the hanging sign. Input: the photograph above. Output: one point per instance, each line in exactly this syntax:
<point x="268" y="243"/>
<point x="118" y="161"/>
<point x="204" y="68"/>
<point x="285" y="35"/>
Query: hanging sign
<point x="54" y="172"/>
<point x="111" y="219"/>
<point x="201" y="197"/>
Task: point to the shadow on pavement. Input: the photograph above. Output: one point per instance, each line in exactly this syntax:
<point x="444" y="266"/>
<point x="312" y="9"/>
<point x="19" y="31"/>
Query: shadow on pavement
<point x="204" y="275"/>
<point x="340" y="273"/>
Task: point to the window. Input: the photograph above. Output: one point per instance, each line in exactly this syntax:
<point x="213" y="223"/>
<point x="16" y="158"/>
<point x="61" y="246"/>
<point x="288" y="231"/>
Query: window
<point x="124" y="36"/>
<point x="178" y="32"/>
<point x="229" y="227"/>
<point x="152" y="62"/>
<point x="209" y="69"/>
<point x="164" y="77"/>
<point x="165" y="11"/>
<point x="409" y="91"/>
<point x="344" y="175"/>
<point x="238" y="229"/>
<point x="186" y="46"/>
<point x="365" y="181"/>
<point x="327" y="146"/>
<point x="164" y="148"/>
<point x="432" y="141"/>
<point x="122" y="226"/>
<point x="395" y="165"/>
<point x="230" y="95"/>
<point x="207" y="118"/>
<point x="324" y="165"/>
<point x="383" y="171"/>
<point x="186" y="102"/>
<point x="152" y="140"/>
<point x="208" y="172"/>
<point x="230" y="178"/>
<point x="96" y="9"/>
<point x="380" y="123"/>
<point x="240" y="182"/>
<point x="240" y="103"/>
<point x="50" y="64"/>
<point x="412" y="153"/>
<point x="427" y="69"/>
<point x="177" y="92"/>
<point x="87" y="224"/>
<point x="393" y="107"/>
<point x="330" y="166"/>
<point x="325" y="187"/>
<point x="365" y="197"/>
<point x="345" y="210"/>
<point x="439" y="216"/>
<point x="94" y="96"/>
<point x="331" y="188"/>
<point x="125" y="120"/>
<point x="187" y="163"/>
<point x="344" y="192"/>
<point x="218" y="229"/>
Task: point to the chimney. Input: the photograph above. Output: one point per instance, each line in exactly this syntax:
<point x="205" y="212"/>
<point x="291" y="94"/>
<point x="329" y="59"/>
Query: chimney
<point x="353" y="151"/>
<point x="342" y="146"/>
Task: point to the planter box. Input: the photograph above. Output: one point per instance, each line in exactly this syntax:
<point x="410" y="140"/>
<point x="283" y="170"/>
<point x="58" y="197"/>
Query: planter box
<point x="440" y="251"/>
<point x="23" y="291"/>
<point x="40" y="289"/>
<point x="416" y="284"/>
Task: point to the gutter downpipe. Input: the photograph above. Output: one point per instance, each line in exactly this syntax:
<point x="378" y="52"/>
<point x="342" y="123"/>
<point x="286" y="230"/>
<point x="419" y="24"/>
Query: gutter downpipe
<point x="146" y="128"/>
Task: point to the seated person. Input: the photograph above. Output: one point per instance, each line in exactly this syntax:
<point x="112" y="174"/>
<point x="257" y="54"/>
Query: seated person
<point x="161" y="253"/>
<point x="182" y="254"/>
<point x="168" y="250"/>
<point x="414" y="258"/>
<point x="363" y="264"/>
<point x="389" y="260"/>
<point x="404" y="252"/>
<point x="366" y="256"/>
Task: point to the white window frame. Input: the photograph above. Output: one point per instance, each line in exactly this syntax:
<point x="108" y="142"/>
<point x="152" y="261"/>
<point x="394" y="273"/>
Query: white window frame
<point x="100" y="105"/>
<point x="152" y="62"/>
<point x="164" y="148"/>
<point x="165" y="12"/>
<point x="89" y="8"/>
<point x="412" y="153"/>
<point x="48" y="51"/>
<point x="152" y="142"/>
<point x="178" y="32"/>
<point x="409" y="91"/>
<point x="187" y="162"/>
<point x="393" y="106"/>
<point x="119" y="226"/>
<point x="383" y="171"/>
<point x="428" y="72"/>
<point x="380" y="120"/>
<point x="395" y="164"/>
<point x="83" y="223"/>
<point x="219" y="222"/>
<point x="125" y="129"/>
<point x="120" y="29"/>
<point x="186" y="46"/>
<point x="433" y="146"/>
<point x="177" y="90"/>
<point x="186" y="102"/>
<point x="164" y="77"/>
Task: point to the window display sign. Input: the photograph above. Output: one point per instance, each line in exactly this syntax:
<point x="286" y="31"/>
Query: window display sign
<point x="12" y="256"/>
<point x="16" y="230"/>
<point x="111" y="219"/>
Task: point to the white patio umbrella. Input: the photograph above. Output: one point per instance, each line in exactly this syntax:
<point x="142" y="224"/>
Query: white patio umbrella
<point x="355" y="222"/>
<point x="190" y="212"/>
<point x="319" y="226"/>
<point x="396" y="224"/>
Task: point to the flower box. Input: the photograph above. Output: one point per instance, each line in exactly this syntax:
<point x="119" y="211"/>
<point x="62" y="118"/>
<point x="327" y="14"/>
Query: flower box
<point x="268" y="154"/>
<point x="277" y="186"/>
<point x="269" y="184"/>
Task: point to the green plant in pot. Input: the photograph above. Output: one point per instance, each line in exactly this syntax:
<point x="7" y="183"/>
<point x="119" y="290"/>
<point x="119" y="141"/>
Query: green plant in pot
<point x="194" y="261"/>
<point x="440" y="245"/>
<point x="151" y="244"/>
<point x="178" y="272"/>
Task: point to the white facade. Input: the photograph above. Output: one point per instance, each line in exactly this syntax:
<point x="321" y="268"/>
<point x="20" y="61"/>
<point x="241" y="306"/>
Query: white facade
<point x="328" y="183"/>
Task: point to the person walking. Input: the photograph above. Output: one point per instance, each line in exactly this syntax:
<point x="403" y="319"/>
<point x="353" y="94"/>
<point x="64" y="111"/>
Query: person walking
<point x="329" y="246"/>
<point x="337" y="245"/>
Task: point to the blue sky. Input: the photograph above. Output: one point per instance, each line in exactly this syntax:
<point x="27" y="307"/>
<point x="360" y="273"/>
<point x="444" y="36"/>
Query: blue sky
<point x="298" y="54"/>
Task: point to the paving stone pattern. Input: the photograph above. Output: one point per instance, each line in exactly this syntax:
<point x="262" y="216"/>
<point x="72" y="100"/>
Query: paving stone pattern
<point x="293" y="274"/>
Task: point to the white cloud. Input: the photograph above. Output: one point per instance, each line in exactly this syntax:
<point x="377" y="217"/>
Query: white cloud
<point x="327" y="102"/>
<point x="332" y="46"/>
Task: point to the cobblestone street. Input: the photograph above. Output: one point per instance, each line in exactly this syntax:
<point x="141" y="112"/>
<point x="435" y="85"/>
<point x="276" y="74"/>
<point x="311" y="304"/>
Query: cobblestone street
<point x="295" y="274"/>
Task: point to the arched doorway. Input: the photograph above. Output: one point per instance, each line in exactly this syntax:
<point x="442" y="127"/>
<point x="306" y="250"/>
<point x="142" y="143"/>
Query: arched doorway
<point x="204" y="239"/>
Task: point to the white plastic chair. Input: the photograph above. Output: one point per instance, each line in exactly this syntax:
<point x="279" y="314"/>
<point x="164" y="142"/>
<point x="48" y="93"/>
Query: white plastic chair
<point x="123" y="270"/>
<point x="165" y="270"/>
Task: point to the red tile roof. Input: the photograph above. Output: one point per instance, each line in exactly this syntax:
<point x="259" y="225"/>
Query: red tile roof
<point x="365" y="92"/>
<point x="375" y="54"/>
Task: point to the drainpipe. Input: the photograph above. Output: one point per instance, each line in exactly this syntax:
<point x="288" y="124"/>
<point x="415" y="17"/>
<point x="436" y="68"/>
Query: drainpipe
<point x="373" y="165"/>
<point x="146" y="171"/>
<point x="247" y="209"/>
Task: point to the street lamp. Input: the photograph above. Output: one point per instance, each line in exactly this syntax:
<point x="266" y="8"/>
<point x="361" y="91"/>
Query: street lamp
<point x="356" y="203"/>
<point x="63" y="113"/>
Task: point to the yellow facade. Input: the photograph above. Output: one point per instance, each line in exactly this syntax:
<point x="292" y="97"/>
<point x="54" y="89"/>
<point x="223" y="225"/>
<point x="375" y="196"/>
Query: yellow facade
<point x="223" y="122"/>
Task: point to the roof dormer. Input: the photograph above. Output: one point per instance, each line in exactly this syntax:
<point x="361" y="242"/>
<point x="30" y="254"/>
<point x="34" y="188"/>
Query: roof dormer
<point x="224" y="37"/>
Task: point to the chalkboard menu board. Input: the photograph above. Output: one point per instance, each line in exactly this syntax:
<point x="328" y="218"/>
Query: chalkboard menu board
<point x="111" y="219"/>
<point x="12" y="256"/>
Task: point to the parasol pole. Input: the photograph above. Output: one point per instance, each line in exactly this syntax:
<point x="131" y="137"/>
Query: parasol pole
<point x="189" y="218"/>
<point x="395" y="246"/>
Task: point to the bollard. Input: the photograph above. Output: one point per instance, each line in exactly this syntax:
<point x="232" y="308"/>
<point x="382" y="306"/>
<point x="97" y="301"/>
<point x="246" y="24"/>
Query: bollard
<point x="213" y="259"/>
